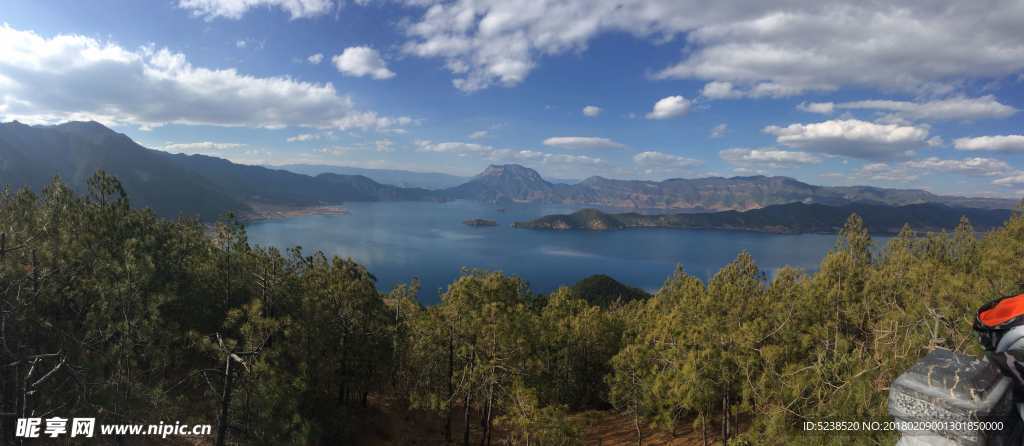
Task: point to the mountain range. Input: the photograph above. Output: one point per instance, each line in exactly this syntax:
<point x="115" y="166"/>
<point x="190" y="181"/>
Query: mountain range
<point x="514" y="183"/>
<point x="401" y="178"/>
<point x="171" y="184"/>
<point x="207" y="187"/>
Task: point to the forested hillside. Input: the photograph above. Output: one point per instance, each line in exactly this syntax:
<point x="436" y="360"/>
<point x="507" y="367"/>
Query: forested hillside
<point x="783" y="218"/>
<point x="110" y="311"/>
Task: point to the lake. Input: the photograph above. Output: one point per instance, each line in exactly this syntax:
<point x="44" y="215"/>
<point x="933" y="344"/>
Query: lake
<point x="397" y="241"/>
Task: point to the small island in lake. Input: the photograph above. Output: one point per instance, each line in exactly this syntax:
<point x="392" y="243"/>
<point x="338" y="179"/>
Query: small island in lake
<point x="480" y="222"/>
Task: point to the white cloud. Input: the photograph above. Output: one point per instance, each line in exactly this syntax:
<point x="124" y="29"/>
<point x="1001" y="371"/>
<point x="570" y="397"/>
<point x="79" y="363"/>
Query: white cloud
<point x="1000" y="143"/>
<point x="76" y="77"/>
<point x="823" y="108"/>
<point x="572" y="159"/>
<point x="582" y="142"/>
<point x="457" y="148"/>
<point x="1016" y="179"/>
<point x="591" y="111"/>
<point x="384" y="145"/>
<point x="362" y="61"/>
<point x="852" y="138"/>
<point x="335" y="150"/>
<point x="968" y="166"/>
<point x="304" y="137"/>
<point x="720" y="90"/>
<point x="719" y="130"/>
<point x="955" y="108"/>
<point x="886" y="173"/>
<point x="773" y="158"/>
<point x="727" y="90"/>
<point x="887" y="45"/>
<point x="315" y="59"/>
<point x="506" y="155"/>
<point x="235" y="9"/>
<point x="761" y="48"/>
<point x="202" y="146"/>
<point x="669" y="107"/>
<point x="479" y="134"/>
<point x="653" y="161"/>
<point x="241" y="44"/>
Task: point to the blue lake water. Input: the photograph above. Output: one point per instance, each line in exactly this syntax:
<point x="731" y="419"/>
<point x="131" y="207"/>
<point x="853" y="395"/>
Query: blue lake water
<point x="401" y="240"/>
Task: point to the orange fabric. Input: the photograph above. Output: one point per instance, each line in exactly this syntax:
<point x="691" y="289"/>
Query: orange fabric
<point x="1003" y="311"/>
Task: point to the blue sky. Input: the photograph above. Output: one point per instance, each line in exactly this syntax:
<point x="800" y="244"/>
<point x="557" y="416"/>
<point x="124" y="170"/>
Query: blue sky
<point x="901" y="94"/>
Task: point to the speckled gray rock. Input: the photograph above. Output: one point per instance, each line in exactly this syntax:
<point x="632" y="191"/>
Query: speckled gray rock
<point x="946" y="386"/>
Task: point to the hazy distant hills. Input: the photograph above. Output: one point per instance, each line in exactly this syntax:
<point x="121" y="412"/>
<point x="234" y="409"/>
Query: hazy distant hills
<point x="516" y="183"/>
<point x="784" y="218"/>
<point x="402" y="178"/>
<point x="170" y="184"/>
<point x="205" y="186"/>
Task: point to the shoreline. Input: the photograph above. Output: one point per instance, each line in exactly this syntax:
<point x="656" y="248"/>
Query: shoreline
<point x="265" y="212"/>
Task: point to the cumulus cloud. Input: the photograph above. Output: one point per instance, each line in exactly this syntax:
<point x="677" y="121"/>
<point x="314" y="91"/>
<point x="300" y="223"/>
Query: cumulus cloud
<point x="479" y="134"/>
<point x="47" y="80"/>
<point x="719" y="130"/>
<point x="773" y="158"/>
<point x="362" y="61"/>
<point x="235" y="9"/>
<point x="998" y="143"/>
<point x="852" y="138"/>
<point x="968" y="166"/>
<point x="759" y="47"/>
<point x="591" y="111"/>
<point x="315" y="59"/>
<point x="202" y="146"/>
<point x="582" y="142"/>
<point x="669" y="107"/>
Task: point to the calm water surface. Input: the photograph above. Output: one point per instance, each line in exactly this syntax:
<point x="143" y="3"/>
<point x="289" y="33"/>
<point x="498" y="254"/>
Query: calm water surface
<point x="399" y="241"/>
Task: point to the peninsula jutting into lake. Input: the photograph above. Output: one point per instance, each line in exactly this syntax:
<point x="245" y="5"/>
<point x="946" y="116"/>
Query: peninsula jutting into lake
<point x="790" y="218"/>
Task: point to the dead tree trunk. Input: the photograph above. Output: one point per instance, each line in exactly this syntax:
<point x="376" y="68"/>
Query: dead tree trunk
<point x="465" y="432"/>
<point x="225" y="403"/>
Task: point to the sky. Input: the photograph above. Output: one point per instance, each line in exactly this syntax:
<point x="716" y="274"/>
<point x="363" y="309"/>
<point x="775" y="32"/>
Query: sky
<point x="909" y="94"/>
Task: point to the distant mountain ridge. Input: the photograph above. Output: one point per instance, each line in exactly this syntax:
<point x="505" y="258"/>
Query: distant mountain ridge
<point x="784" y="218"/>
<point x="170" y="184"/>
<point x="393" y="177"/>
<point x="508" y="182"/>
<point x="208" y="187"/>
<point x="514" y="183"/>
